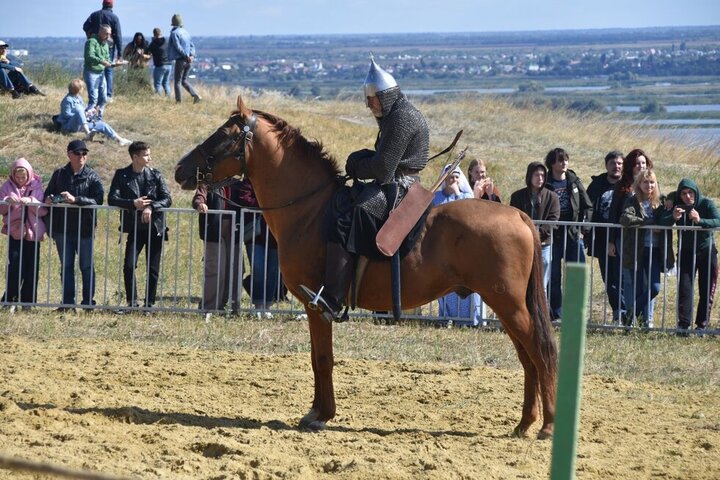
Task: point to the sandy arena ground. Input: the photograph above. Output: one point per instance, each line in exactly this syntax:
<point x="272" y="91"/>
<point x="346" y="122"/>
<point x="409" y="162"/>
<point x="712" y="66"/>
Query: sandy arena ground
<point x="141" y="411"/>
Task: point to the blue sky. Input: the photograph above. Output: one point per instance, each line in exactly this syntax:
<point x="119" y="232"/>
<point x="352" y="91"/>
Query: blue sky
<point x="59" y="18"/>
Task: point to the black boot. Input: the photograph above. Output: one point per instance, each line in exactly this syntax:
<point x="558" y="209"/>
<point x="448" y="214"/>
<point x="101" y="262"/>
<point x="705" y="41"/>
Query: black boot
<point x="35" y="91"/>
<point x="329" y="299"/>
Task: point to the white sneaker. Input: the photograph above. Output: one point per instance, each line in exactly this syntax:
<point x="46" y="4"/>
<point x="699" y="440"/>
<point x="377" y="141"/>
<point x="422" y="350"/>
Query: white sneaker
<point x="124" y="142"/>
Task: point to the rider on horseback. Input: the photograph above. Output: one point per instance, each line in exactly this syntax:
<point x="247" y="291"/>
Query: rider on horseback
<point x="358" y="212"/>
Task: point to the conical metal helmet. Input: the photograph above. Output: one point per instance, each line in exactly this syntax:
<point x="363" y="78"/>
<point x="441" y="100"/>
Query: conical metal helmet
<point x="377" y="80"/>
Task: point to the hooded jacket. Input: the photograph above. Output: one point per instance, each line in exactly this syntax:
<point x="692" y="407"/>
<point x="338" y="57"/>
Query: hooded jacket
<point x="22" y="221"/>
<point x="546" y="206"/>
<point x="709" y="218"/>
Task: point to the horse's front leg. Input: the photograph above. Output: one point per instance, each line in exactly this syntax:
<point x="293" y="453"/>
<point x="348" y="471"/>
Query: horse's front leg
<point x="321" y="351"/>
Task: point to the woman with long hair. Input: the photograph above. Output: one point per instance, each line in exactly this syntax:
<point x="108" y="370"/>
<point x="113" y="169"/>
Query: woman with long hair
<point x="644" y="250"/>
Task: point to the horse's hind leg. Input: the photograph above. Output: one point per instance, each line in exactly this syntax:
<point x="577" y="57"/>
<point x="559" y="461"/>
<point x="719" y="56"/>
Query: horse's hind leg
<point x="530" y="410"/>
<point x="539" y="378"/>
<point x="323" y="406"/>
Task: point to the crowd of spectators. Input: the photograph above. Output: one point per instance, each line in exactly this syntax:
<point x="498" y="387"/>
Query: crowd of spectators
<point x="626" y="195"/>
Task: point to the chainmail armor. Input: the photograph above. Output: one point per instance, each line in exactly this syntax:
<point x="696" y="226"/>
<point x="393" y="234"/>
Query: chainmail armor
<point x="402" y="143"/>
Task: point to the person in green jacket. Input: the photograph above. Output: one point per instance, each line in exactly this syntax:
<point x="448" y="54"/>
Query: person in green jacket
<point x="697" y="252"/>
<point x="97" y="59"/>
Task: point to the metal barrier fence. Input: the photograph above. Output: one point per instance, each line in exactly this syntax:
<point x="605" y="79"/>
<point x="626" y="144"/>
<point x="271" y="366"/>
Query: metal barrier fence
<point x="188" y="279"/>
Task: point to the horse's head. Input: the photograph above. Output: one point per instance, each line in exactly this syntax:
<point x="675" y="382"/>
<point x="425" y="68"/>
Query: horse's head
<point x="222" y="155"/>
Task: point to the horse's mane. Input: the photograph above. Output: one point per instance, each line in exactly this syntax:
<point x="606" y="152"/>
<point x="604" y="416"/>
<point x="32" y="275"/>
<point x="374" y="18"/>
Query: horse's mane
<point x="291" y="136"/>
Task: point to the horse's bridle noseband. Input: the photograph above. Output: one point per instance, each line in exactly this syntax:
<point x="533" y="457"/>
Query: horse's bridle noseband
<point x="234" y="145"/>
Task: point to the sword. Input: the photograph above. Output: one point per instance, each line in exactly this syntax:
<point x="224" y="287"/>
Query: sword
<point x="453" y="166"/>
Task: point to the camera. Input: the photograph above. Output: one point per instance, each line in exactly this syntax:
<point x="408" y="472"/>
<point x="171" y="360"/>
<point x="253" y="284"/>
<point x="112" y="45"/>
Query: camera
<point x="687" y="208"/>
<point x="57" y="198"/>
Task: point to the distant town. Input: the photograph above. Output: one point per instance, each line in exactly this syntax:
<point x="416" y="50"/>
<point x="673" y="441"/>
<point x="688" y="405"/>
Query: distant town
<point x="330" y="64"/>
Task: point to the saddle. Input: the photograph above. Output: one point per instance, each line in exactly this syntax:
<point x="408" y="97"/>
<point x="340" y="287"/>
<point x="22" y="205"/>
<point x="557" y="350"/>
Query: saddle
<point x="409" y="214"/>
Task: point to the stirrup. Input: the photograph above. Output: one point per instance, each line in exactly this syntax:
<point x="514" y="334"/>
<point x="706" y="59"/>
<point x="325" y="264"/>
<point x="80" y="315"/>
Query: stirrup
<point x="316" y="302"/>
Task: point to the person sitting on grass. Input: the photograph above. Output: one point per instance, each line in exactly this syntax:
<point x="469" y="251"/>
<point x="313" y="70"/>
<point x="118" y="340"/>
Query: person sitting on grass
<point x="74" y="117"/>
<point x="12" y="77"/>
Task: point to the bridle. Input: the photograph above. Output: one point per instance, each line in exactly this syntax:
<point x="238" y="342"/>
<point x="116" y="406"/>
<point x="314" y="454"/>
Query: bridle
<point x="235" y="145"/>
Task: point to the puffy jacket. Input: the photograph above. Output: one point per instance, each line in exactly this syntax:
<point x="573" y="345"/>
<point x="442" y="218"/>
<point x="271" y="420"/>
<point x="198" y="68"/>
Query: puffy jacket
<point x="87" y="189"/>
<point x="124" y="191"/>
<point x="21" y="221"/>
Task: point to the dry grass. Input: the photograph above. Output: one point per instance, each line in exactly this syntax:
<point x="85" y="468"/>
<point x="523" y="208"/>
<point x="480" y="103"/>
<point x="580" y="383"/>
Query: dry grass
<point x="653" y="358"/>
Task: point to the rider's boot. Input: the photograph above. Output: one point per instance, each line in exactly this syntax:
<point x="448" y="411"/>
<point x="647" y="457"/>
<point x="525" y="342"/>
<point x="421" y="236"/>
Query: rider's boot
<point x="330" y="297"/>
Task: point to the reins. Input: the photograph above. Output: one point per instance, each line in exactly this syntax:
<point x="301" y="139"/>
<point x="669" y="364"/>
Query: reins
<point x="340" y="180"/>
<point x="236" y="147"/>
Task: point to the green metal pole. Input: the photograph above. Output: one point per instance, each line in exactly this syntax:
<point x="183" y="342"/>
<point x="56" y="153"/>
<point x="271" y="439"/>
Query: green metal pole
<point x="572" y="349"/>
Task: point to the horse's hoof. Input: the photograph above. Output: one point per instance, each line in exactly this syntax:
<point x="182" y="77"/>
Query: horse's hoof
<point x="310" y="422"/>
<point x="546" y="433"/>
<point x="520" y="432"/>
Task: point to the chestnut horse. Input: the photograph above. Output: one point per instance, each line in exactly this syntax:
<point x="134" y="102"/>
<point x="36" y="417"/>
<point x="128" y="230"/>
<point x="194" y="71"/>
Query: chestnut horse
<point x="465" y="246"/>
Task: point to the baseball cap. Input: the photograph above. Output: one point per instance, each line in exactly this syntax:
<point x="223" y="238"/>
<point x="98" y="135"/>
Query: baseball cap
<point x="77" y="146"/>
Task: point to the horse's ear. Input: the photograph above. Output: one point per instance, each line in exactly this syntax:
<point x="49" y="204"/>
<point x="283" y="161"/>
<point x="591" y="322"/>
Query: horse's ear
<point x="242" y="108"/>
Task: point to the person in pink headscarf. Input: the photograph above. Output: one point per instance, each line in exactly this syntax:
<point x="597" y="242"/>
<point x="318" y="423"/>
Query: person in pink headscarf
<point x="22" y="208"/>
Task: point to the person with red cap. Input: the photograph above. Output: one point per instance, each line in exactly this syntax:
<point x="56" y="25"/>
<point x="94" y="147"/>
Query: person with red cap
<point x="106" y="16"/>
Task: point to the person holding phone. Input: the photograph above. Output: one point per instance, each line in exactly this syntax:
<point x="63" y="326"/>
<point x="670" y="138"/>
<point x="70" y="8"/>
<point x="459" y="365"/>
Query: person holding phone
<point x="697" y="252"/>
<point x="482" y="185"/>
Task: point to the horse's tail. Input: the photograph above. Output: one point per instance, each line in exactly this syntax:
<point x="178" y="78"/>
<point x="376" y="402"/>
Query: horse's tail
<point x="537" y="305"/>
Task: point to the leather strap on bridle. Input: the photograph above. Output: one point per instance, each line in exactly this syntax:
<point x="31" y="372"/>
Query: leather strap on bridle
<point x="238" y="146"/>
<point x="338" y="179"/>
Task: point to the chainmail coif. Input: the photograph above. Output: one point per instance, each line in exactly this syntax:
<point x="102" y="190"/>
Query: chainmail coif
<point x="402" y="144"/>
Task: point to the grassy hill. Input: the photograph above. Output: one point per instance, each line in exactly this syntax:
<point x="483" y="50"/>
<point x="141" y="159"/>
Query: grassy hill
<point x="507" y="137"/>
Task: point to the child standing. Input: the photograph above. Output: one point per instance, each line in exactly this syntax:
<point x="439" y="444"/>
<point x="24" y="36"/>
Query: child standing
<point x="22" y="196"/>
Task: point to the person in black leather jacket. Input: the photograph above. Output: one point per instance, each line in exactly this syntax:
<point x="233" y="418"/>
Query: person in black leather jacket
<point x="72" y="228"/>
<point x="142" y="192"/>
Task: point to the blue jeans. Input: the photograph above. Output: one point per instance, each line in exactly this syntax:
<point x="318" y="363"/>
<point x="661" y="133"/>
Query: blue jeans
<point x="108" y="74"/>
<point x="161" y="78"/>
<point x="263" y="292"/>
<point x="564" y="246"/>
<point x="468" y="308"/>
<point x="546" y="260"/>
<point x="643" y="285"/>
<point x="68" y="245"/>
<point x="5" y="81"/>
<point x="96" y="87"/>
<point x="103" y="128"/>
